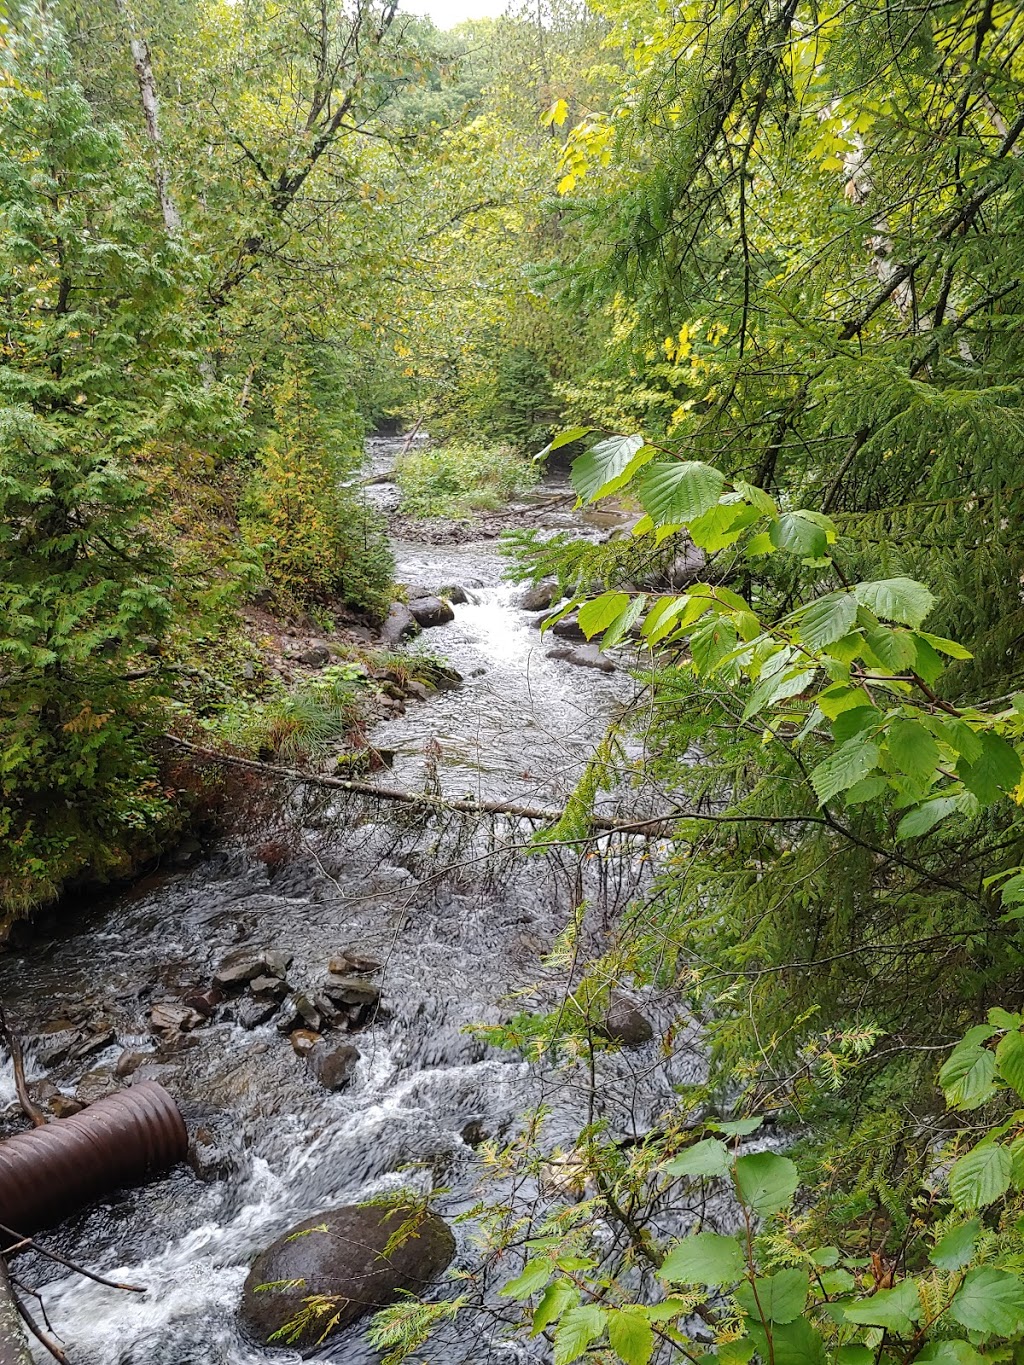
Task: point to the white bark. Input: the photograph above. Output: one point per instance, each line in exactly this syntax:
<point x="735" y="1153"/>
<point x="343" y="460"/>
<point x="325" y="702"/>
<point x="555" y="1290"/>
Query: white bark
<point x="143" y="64"/>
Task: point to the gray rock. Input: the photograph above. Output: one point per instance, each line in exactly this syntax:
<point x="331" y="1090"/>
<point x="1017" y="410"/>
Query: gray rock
<point x="353" y="960"/>
<point x="540" y="597"/>
<point x="129" y="1062"/>
<point x="63" y="1106"/>
<point x="212" y="1154"/>
<point x="316" y="656"/>
<point x="303" y="1041"/>
<point x="431" y="611"/>
<point x="339" y="1254"/>
<point x="95" y="1085"/>
<point x="277" y="962"/>
<point x="351" y="990"/>
<point x="624" y="1024"/>
<point x="454" y="593"/>
<point x="414" y="592"/>
<point x="583" y="656"/>
<point x="240" y="967"/>
<point x="269" y="985"/>
<point x="400" y="622"/>
<point x="56" y="1040"/>
<point x="417" y="690"/>
<point x="299" y="1011"/>
<point x="169" y="1018"/>
<point x="333" y="1066"/>
<point x="253" y="1010"/>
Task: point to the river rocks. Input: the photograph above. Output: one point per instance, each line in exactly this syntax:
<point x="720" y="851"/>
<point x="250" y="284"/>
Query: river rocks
<point x="454" y="593"/>
<point x="431" y="611"/>
<point x="55" y="1042"/>
<point x="624" y="1024"/>
<point x="170" y="1018"/>
<point x="254" y="1010"/>
<point x="303" y="1041"/>
<point x="353" y="960"/>
<point x="540" y="597"/>
<point x="316" y="656"/>
<point x="417" y="690"/>
<point x="333" y="1067"/>
<point x="339" y="1254"/>
<point x="204" y="1002"/>
<point x="400" y="622"/>
<point x="246" y="964"/>
<point x="273" y="986"/>
<point x="351" y="990"/>
<point x="211" y="1154"/>
<point x="95" y="1085"/>
<point x="130" y="1061"/>
<point x="583" y="656"/>
<point x="299" y="1011"/>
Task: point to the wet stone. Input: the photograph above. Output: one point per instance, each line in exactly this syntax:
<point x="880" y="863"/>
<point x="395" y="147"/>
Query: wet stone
<point x="96" y="1085"/>
<point x="55" y="1042"/>
<point x="352" y="960"/>
<point x="64" y="1106"/>
<point x="352" y="990"/>
<point x="95" y="1042"/>
<point x="211" y="1153"/>
<point x="624" y="1024"/>
<point x="129" y="1062"/>
<point x="431" y="611"/>
<point x="298" y="1011"/>
<point x="240" y="967"/>
<point x="168" y="1018"/>
<point x="269" y="985"/>
<point x="303" y="1041"/>
<point x="333" y="1066"/>
<point x="204" y="1002"/>
<point x="254" y="1010"/>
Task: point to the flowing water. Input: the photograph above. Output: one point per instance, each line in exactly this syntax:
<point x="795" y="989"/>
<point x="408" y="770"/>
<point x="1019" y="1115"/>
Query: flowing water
<point x="461" y="947"/>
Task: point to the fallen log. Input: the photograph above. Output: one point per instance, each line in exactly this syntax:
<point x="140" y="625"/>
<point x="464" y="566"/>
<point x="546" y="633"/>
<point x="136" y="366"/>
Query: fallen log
<point x="656" y="827"/>
<point x="51" y="1172"/>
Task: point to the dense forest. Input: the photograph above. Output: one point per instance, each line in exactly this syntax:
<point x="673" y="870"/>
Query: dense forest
<point x="755" y="269"/>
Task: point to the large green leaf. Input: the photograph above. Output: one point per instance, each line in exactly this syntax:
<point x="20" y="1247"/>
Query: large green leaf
<point x="535" y="1276"/>
<point x="708" y="1157"/>
<point x="990" y="1301"/>
<point x="896" y="599"/>
<point x="1010" y="1060"/>
<point x="799" y="534"/>
<point x="677" y="493"/>
<point x="631" y="1337"/>
<point x="704" y="1258"/>
<point x="897" y="1309"/>
<point x="575" y="1332"/>
<point x="711" y="643"/>
<point x="598" y="614"/>
<point x="912" y="749"/>
<point x="980" y="1177"/>
<point x="925" y="817"/>
<point x="765" y="1181"/>
<point x="775" y="1298"/>
<point x="792" y="1343"/>
<point x="968" y="1077"/>
<point x="847" y="764"/>
<point x="556" y="1299"/>
<point x="997" y="769"/>
<point x="956" y="1247"/>
<point x="950" y="1353"/>
<point x="827" y="620"/>
<point x="608" y="466"/>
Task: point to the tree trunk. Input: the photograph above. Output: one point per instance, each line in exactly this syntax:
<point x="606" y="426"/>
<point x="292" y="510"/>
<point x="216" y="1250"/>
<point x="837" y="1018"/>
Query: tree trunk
<point x="143" y="65"/>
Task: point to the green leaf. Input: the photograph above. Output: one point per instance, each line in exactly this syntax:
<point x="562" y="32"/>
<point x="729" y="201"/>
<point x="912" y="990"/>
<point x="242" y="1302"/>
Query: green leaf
<point x="775" y="1298"/>
<point x="996" y="770"/>
<point x="896" y="599"/>
<point x="799" y="535"/>
<point x="856" y="1355"/>
<point x="534" y="1276"/>
<point x="912" y="749"/>
<point x="765" y="1181"/>
<point x="723" y="525"/>
<point x="708" y="1157"/>
<point x="557" y="1297"/>
<point x="990" y="1301"/>
<point x="1012" y="890"/>
<point x="736" y="1352"/>
<point x="894" y="648"/>
<point x="624" y="622"/>
<point x="980" y="1177"/>
<point x="608" y="466"/>
<point x="847" y="764"/>
<point x="631" y="1337"/>
<point x="956" y="1248"/>
<point x="792" y="1343"/>
<point x="950" y="1353"/>
<point x="567" y="436"/>
<point x="897" y="1309"/>
<point x="961" y="737"/>
<point x="757" y="497"/>
<point x="704" y="1258"/>
<point x="679" y="491"/>
<point x="711" y="643"/>
<point x="827" y="620"/>
<point x="968" y="1077"/>
<point x="577" y="1329"/>
<point x="925" y="817"/>
<point x="1010" y="1061"/>
<point x="736" y="1127"/>
<point x="598" y="614"/>
<point x="950" y="647"/>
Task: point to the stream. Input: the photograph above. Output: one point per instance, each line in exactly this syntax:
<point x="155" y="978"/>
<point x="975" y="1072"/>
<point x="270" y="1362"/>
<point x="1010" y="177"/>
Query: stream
<point x="463" y="938"/>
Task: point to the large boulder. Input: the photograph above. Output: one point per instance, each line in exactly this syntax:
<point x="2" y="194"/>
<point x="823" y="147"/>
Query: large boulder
<point x="432" y="611"/>
<point x="624" y="1024"/>
<point x="540" y="597"/>
<point x="400" y="622"/>
<point x="339" y="1255"/>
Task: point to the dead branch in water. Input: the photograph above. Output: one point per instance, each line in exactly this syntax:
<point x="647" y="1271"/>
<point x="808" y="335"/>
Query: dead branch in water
<point x="28" y="1105"/>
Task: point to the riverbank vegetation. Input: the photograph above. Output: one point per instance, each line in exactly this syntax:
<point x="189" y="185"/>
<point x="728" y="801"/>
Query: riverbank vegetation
<point x="757" y="268"/>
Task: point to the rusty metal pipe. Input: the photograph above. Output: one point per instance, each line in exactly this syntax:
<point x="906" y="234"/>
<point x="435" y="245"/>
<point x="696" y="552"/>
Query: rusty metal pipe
<point x="50" y="1173"/>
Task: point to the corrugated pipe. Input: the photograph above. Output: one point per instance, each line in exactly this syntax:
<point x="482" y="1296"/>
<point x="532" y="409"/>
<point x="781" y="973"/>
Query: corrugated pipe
<point x="49" y="1173"/>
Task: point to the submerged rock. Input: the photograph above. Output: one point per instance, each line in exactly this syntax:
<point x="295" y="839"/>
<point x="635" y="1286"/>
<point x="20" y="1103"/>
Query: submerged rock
<point x="583" y="656"/>
<point x="339" y="1255"/>
<point x="431" y="611"/>
<point x="353" y="960"/>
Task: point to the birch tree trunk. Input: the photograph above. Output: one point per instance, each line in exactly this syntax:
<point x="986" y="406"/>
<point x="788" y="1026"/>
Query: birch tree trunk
<point x="143" y="64"/>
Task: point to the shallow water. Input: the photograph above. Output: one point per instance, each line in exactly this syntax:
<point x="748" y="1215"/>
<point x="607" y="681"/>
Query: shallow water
<point x="463" y="939"/>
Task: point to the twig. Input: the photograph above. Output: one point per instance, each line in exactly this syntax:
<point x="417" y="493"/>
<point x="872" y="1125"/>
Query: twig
<point x="42" y="1337"/>
<point x="69" y="1265"/>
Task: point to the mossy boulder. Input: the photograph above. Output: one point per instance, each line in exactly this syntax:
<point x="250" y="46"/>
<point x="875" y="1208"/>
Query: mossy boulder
<point x="340" y="1255"/>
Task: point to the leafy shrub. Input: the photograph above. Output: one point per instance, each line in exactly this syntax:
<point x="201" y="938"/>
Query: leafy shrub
<point x="455" y="479"/>
<point x="317" y="538"/>
<point x="307" y="723"/>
